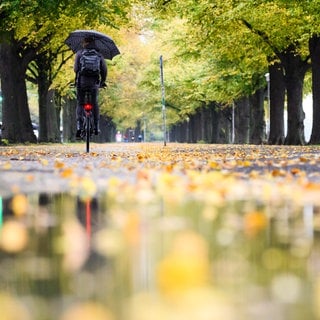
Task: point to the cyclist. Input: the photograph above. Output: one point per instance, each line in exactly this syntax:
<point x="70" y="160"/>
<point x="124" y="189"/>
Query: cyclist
<point x="85" y="83"/>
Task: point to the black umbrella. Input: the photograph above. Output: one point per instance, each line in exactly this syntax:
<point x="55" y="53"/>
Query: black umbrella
<point x="101" y="42"/>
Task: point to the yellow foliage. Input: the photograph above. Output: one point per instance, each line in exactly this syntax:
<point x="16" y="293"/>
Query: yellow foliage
<point x="254" y="222"/>
<point x="186" y="266"/>
<point x="66" y="173"/>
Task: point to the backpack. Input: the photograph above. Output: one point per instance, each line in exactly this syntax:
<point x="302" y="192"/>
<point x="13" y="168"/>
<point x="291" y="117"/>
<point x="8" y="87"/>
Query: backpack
<point x="89" y="63"/>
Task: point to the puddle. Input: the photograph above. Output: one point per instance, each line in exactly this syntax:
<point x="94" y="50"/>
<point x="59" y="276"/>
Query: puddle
<point x="63" y="258"/>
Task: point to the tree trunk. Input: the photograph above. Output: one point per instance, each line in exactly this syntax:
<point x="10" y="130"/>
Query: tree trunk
<point x="48" y="122"/>
<point x="242" y="121"/>
<point x="187" y="124"/>
<point x="192" y="129"/>
<point x="42" y="100"/>
<point x="257" y="122"/>
<point x="69" y="120"/>
<point x="277" y="98"/>
<point x="215" y="126"/>
<point x="53" y="130"/>
<point x="210" y="127"/>
<point x="181" y="131"/>
<point x="295" y="69"/>
<point x="16" y="118"/>
<point x="196" y="126"/>
<point x="226" y="124"/>
<point x="314" y="48"/>
<point x="203" y="124"/>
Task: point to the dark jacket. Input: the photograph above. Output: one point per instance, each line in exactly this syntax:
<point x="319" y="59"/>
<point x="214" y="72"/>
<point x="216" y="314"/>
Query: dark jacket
<point x="89" y="81"/>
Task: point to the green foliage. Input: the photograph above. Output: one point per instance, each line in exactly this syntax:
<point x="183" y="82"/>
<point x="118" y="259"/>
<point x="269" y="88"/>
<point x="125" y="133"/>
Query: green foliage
<point x="219" y="51"/>
<point x="213" y="50"/>
<point x="124" y="101"/>
<point x="43" y="25"/>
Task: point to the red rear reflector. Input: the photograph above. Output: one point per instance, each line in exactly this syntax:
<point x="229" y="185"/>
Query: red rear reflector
<point x="88" y="107"/>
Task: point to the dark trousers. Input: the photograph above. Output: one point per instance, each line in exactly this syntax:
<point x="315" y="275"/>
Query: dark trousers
<point x="81" y="96"/>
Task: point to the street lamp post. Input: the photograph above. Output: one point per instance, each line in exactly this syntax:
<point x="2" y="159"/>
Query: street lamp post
<point x="267" y="76"/>
<point x="233" y="125"/>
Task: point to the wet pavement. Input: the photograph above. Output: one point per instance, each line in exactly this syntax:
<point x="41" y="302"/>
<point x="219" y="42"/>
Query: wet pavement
<point x="52" y="168"/>
<point x="131" y="230"/>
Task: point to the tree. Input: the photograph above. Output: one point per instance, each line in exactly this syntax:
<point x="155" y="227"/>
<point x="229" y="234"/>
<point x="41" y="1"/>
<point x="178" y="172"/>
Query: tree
<point x="204" y="73"/>
<point x="42" y="76"/>
<point x="16" y="121"/>
<point x="281" y="29"/>
<point x="42" y="34"/>
<point x="314" y="48"/>
<point x="125" y="101"/>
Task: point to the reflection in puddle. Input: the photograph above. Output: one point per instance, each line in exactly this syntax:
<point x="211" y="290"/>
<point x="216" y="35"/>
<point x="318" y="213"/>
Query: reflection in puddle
<point x="67" y="258"/>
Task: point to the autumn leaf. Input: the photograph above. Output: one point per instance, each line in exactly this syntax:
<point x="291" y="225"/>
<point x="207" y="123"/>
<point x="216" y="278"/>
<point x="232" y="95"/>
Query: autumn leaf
<point x="66" y="173"/>
<point x="177" y="173"/>
<point x="58" y="164"/>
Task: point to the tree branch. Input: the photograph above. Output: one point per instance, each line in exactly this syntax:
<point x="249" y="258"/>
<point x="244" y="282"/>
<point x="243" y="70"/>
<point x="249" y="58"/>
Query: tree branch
<point x="262" y="35"/>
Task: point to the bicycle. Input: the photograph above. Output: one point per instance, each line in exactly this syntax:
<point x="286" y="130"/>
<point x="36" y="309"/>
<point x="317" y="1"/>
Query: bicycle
<point x="88" y="123"/>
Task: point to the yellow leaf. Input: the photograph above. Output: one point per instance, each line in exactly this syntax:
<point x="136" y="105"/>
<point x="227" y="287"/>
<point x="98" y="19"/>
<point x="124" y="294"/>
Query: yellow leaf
<point x="67" y="173"/>
<point x="58" y="164"/>
<point x="114" y="157"/>
<point x="94" y="154"/>
<point x="295" y="171"/>
<point x="214" y="165"/>
<point x="278" y="173"/>
<point x="168" y="168"/>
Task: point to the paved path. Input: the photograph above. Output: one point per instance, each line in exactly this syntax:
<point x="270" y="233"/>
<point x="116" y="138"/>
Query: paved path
<point x="55" y="168"/>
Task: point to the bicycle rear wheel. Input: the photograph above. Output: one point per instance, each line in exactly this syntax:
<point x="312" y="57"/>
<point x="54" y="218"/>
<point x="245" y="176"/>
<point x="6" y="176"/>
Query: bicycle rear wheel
<point x="88" y="129"/>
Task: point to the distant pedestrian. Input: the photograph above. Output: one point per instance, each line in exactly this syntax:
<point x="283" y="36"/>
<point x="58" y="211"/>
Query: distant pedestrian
<point x="118" y="136"/>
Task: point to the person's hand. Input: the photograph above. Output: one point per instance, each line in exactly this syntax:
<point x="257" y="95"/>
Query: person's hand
<point x="103" y="85"/>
